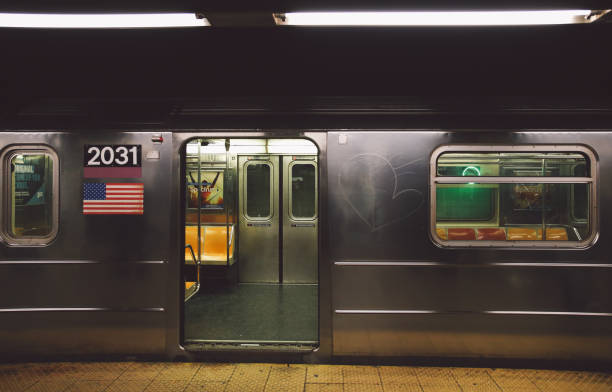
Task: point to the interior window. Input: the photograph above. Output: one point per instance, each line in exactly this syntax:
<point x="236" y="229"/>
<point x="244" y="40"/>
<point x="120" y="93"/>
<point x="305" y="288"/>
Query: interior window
<point x="580" y="196"/>
<point x="303" y="190"/>
<point x="479" y="197"/>
<point x="465" y="202"/>
<point x="258" y="190"/>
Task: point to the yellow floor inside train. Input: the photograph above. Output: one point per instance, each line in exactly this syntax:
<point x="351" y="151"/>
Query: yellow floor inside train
<point x="191" y="377"/>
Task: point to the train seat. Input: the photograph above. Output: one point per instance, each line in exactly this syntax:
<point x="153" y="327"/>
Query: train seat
<point x="191" y="238"/>
<point x="213" y="246"/>
<point x="556" y="234"/>
<point x="491" y="234"/>
<point x="533" y="234"/>
<point x="524" y="234"/>
<point x="461" y="233"/>
<point x="441" y="232"/>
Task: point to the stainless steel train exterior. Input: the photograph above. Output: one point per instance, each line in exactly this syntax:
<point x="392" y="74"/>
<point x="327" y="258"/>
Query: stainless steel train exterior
<point x="111" y="286"/>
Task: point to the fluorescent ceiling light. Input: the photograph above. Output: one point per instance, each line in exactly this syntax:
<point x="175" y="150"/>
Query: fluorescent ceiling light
<point x="98" y="21"/>
<point x="438" y="18"/>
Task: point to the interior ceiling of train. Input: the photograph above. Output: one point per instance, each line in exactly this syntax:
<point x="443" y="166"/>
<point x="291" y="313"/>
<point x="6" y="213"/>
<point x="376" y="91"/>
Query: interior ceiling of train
<point x="242" y="52"/>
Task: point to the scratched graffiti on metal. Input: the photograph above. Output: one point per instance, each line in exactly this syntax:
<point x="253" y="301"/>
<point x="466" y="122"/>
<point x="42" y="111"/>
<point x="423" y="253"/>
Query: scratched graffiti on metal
<point x="379" y="192"/>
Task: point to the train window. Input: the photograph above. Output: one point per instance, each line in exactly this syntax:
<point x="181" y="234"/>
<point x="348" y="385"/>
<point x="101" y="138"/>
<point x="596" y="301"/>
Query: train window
<point x="258" y="184"/>
<point x="303" y="190"/>
<point x="30" y="190"/>
<point x="541" y="196"/>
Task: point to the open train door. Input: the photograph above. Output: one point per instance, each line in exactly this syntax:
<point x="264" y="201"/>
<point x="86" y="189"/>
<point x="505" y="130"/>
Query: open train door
<point x="251" y="244"/>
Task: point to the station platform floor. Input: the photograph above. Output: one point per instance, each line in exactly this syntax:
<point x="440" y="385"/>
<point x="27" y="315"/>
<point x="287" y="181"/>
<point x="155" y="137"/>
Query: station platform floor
<point x="191" y="377"/>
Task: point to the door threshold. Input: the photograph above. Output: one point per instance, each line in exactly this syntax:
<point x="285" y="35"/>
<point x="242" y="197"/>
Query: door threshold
<point x="246" y="345"/>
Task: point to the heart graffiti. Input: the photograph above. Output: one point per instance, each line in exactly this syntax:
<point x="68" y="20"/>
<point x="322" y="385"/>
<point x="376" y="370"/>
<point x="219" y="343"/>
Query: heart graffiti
<point x="370" y="184"/>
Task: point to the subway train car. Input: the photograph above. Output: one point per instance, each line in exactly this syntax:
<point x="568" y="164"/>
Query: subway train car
<point x="338" y="230"/>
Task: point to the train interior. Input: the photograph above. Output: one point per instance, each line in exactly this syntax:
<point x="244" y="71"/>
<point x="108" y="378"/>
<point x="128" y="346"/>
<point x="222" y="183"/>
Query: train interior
<point x="251" y="243"/>
<point x="529" y="210"/>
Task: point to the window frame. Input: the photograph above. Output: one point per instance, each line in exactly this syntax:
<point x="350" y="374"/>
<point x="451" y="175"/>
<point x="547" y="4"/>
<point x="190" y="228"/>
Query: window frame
<point x="5" y="198"/>
<point x="509" y="244"/>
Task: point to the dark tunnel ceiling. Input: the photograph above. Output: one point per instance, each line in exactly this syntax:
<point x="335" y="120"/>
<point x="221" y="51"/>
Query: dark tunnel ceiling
<point x="569" y="61"/>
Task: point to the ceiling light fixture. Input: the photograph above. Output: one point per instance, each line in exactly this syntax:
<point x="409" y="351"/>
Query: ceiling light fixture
<point x="438" y="18"/>
<point x="102" y="21"/>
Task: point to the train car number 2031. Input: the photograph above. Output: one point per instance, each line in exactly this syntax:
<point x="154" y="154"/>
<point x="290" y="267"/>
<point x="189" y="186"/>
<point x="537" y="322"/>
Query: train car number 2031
<point x="118" y="155"/>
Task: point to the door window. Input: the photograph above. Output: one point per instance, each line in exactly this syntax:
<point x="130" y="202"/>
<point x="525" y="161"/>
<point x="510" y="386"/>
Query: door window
<point x="303" y="191"/>
<point x="258" y="183"/>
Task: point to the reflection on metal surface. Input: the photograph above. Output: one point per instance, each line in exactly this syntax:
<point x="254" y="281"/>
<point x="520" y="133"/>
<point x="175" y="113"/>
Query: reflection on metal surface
<point x="381" y="311"/>
<point x="11" y="310"/>
<point x="506" y="312"/>
<point x="581" y="265"/>
<point x="77" y="262"/>
<point x="439" y="263"/>
<point x="377" y="199"/>
<point x="390" y="263"/>
<point x="596" y="314"/>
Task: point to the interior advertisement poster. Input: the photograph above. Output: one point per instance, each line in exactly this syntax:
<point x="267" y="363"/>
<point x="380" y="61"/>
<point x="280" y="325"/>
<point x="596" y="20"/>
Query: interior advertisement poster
<point x="29" y="172"/>
<point x="211" y="189"/>
<point x="29" y="192"/>
<point x="528" y="196"/>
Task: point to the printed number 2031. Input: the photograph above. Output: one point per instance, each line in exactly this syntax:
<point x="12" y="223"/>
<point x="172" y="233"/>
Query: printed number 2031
<point x="119" y="155"/>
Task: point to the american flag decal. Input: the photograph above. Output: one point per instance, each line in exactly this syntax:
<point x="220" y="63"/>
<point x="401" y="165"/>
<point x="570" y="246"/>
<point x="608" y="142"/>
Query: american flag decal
<point x="110" y="199"/>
